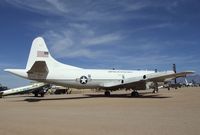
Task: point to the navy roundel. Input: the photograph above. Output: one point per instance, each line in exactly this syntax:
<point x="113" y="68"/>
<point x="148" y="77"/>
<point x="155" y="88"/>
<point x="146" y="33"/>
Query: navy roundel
<point x="83" y="79"/>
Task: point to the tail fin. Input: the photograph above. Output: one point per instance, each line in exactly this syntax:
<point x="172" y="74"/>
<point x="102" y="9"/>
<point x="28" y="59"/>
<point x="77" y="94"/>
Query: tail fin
<point x="40" y="62"/>
<point x="40" y="52"/>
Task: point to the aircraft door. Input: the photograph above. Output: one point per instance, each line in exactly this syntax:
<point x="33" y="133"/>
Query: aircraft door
<point x="123" y="77"/>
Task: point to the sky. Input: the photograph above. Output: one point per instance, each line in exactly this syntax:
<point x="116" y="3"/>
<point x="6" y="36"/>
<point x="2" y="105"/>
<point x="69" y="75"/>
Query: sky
<point x="103" y="34"/>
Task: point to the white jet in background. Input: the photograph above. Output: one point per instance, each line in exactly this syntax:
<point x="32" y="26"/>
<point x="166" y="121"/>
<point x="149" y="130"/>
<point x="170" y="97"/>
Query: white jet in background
<point x="41" y="66"/>
<point x="36" y="88"/>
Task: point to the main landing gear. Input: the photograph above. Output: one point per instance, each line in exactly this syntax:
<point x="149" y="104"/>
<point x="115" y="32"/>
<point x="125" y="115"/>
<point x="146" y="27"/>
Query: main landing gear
<point x="155" y="87"/>
<point x="107" y="93"/>
<point x="134" y="94"/>
<point x="37" y="94"/>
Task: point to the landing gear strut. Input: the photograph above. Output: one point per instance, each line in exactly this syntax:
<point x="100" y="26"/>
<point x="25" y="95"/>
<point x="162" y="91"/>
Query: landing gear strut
<point x="36" y="94"/>
<point x="155" y="87"/>
<point x="107" y="93"/>
<point x="134" y="94"/>
<point x="42" y="94"/>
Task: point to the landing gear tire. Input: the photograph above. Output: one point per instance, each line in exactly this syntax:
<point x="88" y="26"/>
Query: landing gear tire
<point x="107" y="93"/>
<point x="155" y="91"/>
<point x="36" y="94"/>
<point x="134" y="94"/>
<point x="42" y="95"/>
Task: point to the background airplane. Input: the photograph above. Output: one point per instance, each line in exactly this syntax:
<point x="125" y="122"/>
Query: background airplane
<point x="41" y="66"/>
<point x="188" y="83"/>
<point x="36" y="88"/>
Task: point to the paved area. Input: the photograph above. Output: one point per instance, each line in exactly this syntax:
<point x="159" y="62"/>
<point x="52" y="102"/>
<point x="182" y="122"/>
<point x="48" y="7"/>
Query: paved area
<point x="175" y="112"/>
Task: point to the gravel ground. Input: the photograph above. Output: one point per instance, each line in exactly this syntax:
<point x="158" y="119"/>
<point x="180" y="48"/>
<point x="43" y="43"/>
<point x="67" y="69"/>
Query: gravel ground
<point x="175" y="112"/>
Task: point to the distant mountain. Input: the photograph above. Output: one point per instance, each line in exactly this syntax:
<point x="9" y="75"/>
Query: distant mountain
<point x="191" y="78"/>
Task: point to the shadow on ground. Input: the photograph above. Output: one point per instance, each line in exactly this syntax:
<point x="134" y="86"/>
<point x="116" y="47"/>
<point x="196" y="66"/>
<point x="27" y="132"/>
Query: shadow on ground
<point x="143" y="95"/>
<point x="52" y="99"/>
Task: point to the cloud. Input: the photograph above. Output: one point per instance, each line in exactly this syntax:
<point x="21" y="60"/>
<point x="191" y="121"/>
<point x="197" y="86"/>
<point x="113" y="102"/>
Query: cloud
<point x="104" y="39"/>
<point x="72" y="44"/>
<point x="87" y="10"/>
<point x="118" y="32"/>
<point x="148" y="61"/>
<point x="154" y="26"/>
<point x="55" y="7"/>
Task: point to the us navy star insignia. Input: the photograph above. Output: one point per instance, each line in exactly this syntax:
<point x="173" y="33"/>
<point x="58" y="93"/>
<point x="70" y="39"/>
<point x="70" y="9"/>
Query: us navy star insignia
<point x="83" y="80"/>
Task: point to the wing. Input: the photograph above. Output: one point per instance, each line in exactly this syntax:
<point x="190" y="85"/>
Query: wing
<point x="162" y="77"/>
<point x="139" y="83"/>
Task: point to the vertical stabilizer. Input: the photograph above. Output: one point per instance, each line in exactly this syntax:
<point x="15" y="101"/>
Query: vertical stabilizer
<point x="38" y="52"/>
<point x="40" y="62"/>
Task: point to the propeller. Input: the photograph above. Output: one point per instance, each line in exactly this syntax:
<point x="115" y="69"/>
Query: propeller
<point x="175" y="81"/>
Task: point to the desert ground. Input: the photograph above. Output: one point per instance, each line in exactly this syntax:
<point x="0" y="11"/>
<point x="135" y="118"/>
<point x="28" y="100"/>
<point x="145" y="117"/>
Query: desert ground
<point x="174" y="112"/>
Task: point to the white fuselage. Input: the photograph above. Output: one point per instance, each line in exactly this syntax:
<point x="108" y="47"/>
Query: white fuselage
<point x="83" y="78"/>
<point x="94" y="78"/>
